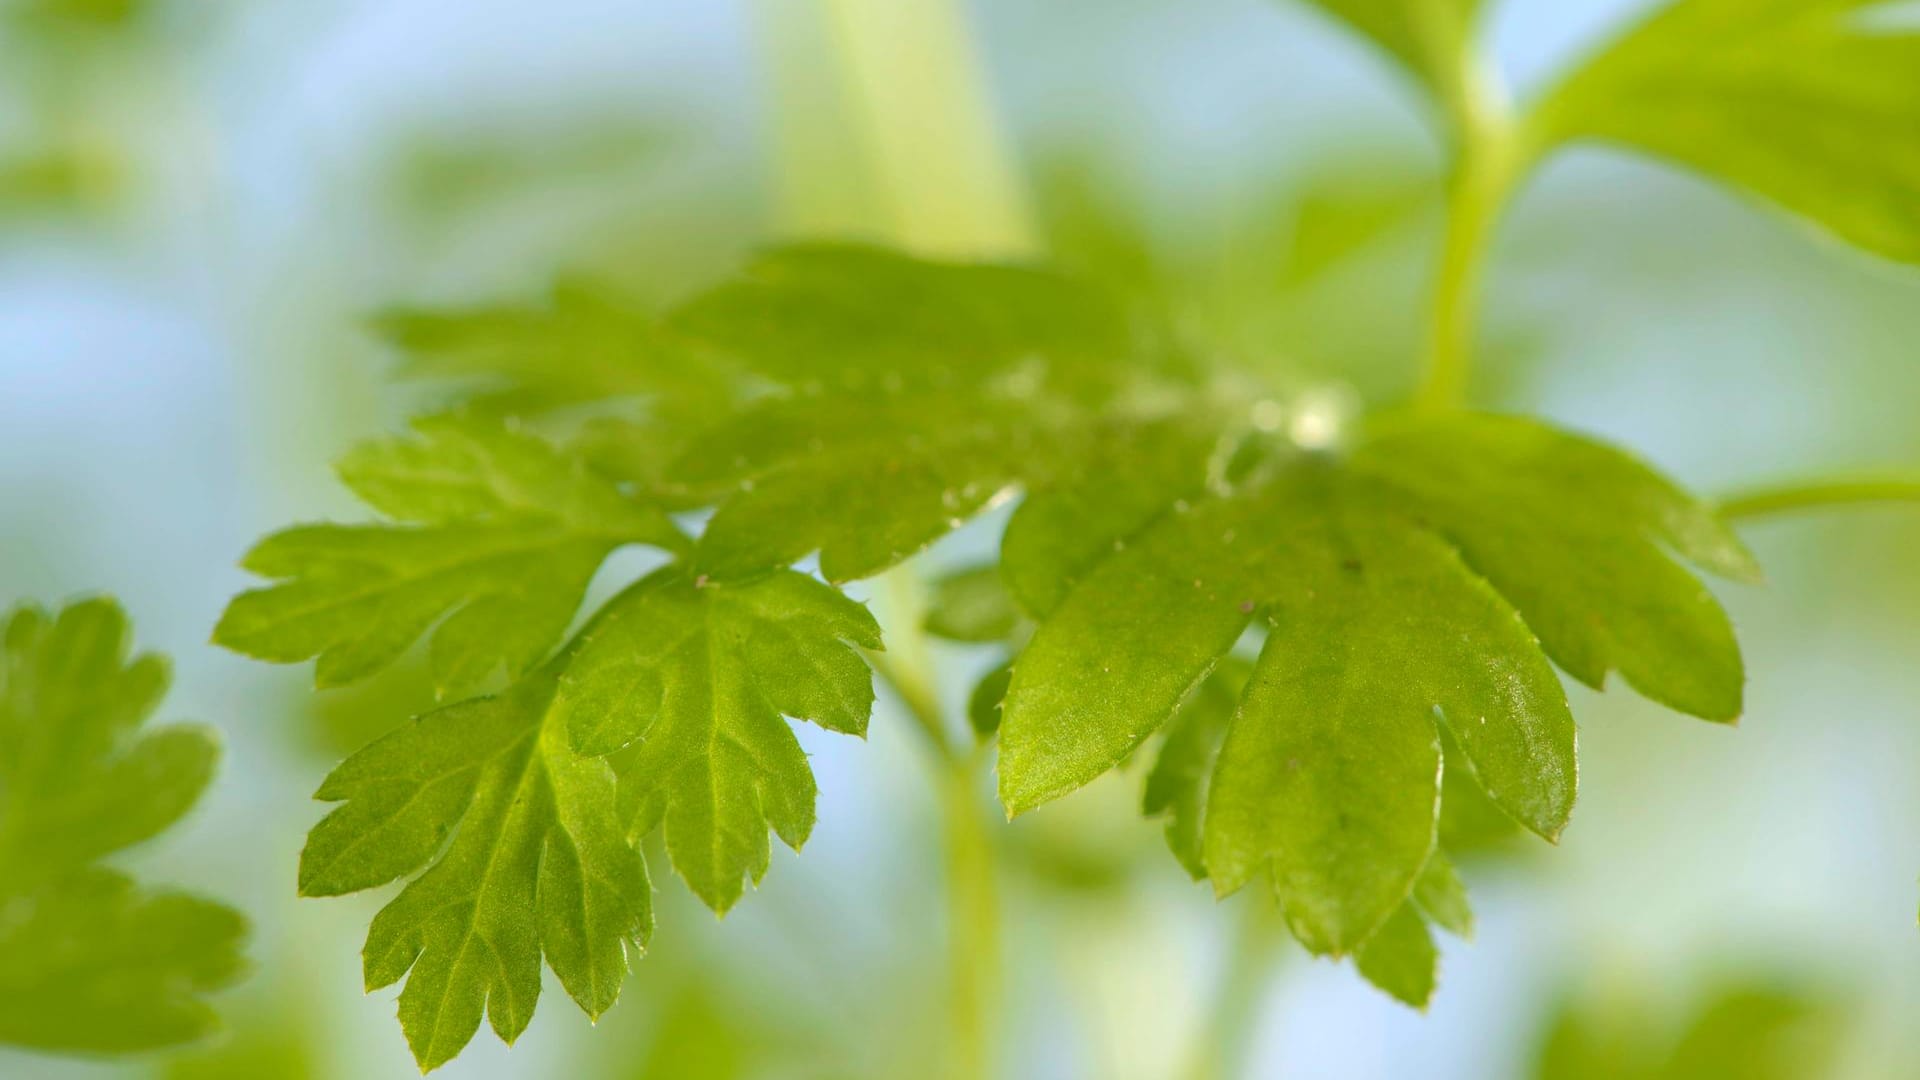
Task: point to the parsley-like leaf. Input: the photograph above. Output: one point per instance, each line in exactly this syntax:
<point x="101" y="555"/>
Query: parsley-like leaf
<point x="910" y="396"/>
<point x="1810" y="104"/>
<point x="695" y="677"/>
<point x="1393" y="607"/>
<point x="539" y="863"/>
<point x="495" y="539"/>
<point x="88" y="960"/>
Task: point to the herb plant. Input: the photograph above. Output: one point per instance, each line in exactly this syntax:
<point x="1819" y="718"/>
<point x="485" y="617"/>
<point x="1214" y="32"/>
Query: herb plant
<point x="1324" y="640"/>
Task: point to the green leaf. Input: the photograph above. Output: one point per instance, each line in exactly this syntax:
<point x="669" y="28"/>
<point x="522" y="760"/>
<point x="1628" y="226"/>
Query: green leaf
<point x="1177" y="786"/>
<point x="1428" y="37"/>
<point x="539" y="864"/>
<point x="1440" y="896"/>
<point x="864" y="478"/>
<point x="1392" y="610"/>
<point x="983" y="704"/>
<point x="847" y="317"/>
<point x="1808" y="104"/>
<point x="587" y="343"/>
<point x="1576" y="535"/>
<point x="1401" y="959"/>
<point x="89" y="962"/>
<point x="911" y="395"/>
<point x="1736" y="1028"/>
<point x="694" y="678"/>
<point x="972" y="606"/>
<point x="495" y="539"/>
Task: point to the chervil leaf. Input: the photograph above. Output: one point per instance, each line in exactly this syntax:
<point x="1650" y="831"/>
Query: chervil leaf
<point x="1441" y="897"/>
<point x="1393" y="606"/>
<point x="1576" y="536"/>
<point x="88" y="961"/>
<point x="539" y="864"/>
<point x="496" y="538"/>
<point x="1401" y="958"/>
<point x="93" y="964"/>
<point x="1427" y="36"/>
<point x="910" y="396"/>
<point x="845" y="316"/>
<point x="983" y="704"/>
<point x="695" y="678"/>
<point x="585" y="344"/>
<point x="1810" y="104"/>
<point x="1177" y="786"/>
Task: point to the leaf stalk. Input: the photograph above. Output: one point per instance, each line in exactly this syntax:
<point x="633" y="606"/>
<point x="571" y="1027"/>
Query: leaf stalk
<point x="1834" y="493"/>
<point x="1489" y="161"/>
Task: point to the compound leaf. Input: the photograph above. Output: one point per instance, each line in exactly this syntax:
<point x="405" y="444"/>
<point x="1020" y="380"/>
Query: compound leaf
<point x="1576" y="535"/>
<point x="1393" y="607"/>
<point x="586" y="343"/>
<point x="909" y="396"/>
<point x="694" y="677"/>
<point x="496" y="536"/>
<point x="539" y="864"/>
<point x="89" y="961"/>
<point x="1809" y="104"/>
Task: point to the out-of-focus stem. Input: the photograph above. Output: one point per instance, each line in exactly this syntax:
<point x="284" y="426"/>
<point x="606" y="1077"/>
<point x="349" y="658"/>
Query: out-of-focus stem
<point x="1226" y="1039"/>
<point x="1488" y="162"/>
<point x="970" y="867"/>
<point x="1820" y="495"/>
<point x="973" y="912"/>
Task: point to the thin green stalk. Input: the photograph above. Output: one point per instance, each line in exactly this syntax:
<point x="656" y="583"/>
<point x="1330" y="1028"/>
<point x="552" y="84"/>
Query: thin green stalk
<point x="1821" y="494"/>
<point x="973" y="903"/>
<point x="973" y="908"/>
<point x="1488" y="162"/>
<point x="1225" y="1041"/>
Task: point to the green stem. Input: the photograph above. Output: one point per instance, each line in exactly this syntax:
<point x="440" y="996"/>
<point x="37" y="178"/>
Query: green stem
<point x="973" y="905"/>
<point x="1822" y="494"/>
<point x="1488" y="162"/>
<point x="973" y="908"/>
<point x="1226" y="1039"/>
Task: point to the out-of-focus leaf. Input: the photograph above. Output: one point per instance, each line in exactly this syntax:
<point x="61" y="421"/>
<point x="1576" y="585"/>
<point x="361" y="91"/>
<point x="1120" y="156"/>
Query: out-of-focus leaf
<point x="973" y="606"/>
<point x="983" y="704"/>
<point x="90" y="962"/>
<point x="1735" y="1030"/>
<point x="1427" y="36"/>
<point x="1809" y="104"/>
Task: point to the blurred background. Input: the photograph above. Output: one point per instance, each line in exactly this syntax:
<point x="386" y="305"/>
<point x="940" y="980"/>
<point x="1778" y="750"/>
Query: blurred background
<point x="201" y="201"/>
